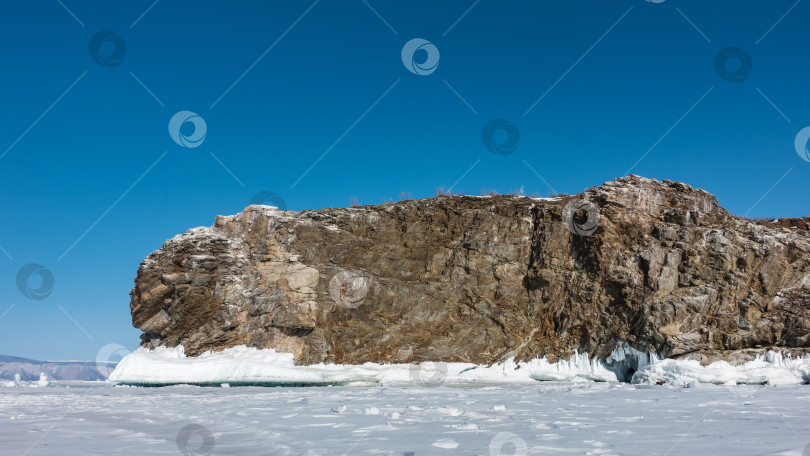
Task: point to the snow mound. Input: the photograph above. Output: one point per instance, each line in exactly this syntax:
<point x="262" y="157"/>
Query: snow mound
<point x="235" y="366"/>
<point x="250" y="366"/>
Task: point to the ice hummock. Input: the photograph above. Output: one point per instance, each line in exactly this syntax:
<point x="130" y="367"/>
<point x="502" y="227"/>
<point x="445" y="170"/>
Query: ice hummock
<point x="772" y="368"/>
<point x="17" y="382"/>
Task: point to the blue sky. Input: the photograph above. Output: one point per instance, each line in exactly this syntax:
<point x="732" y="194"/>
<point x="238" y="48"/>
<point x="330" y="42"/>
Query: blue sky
<point x="91" y="180"/>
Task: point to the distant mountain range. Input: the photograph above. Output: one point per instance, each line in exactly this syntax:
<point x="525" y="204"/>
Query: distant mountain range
<point x="29" y="369"/>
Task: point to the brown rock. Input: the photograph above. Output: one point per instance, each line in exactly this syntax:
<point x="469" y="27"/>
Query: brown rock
<point x="660" y="266"/>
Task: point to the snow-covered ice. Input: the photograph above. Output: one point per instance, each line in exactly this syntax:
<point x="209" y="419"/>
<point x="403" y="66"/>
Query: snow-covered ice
<point x="244" y="365"/>
<point x="576" y="406"/>
<point x="537" y="418"/>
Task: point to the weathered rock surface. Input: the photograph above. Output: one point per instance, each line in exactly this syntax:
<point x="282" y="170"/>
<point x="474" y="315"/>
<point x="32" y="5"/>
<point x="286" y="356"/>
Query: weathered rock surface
<point x="658" y="265"/>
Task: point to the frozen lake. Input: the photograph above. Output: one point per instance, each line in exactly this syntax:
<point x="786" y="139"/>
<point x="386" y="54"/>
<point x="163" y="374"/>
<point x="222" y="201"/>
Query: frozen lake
<point x="542" y="418"/>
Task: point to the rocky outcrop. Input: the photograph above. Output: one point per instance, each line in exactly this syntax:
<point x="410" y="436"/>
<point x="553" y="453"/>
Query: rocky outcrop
<point x="657" y="265"/>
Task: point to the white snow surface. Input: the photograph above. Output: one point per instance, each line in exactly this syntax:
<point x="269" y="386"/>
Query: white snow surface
<point x="245" y="365"/>
<point x="539" y="418"/>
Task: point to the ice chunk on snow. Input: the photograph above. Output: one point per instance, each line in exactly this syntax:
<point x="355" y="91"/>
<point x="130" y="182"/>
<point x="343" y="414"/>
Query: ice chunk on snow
<point x="450" y="444"/>
<point x="451" y="411"/>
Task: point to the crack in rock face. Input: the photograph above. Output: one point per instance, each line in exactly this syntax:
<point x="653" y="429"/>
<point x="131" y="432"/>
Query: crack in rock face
<point x="659" y="266"/>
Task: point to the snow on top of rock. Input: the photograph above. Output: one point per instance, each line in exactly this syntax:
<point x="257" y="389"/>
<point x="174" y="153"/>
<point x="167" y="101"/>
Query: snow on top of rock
<point x="263" y="206"/>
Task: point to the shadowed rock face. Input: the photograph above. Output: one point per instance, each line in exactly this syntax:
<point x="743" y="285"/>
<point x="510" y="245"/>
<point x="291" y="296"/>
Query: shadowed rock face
<point x="481" y="279"/>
